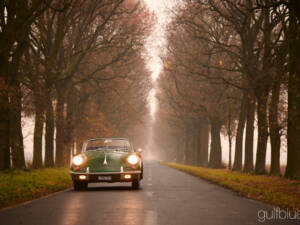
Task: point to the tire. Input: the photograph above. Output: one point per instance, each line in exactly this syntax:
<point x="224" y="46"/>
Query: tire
<point x="135" y="184"/>
<point x="79" y="185"/>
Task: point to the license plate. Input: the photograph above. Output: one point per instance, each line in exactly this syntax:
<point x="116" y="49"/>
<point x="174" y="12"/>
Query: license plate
<point x="104" y="178"/>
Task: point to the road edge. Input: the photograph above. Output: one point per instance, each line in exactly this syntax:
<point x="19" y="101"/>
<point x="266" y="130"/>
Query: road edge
<point x="240" y="193"/>
<point x="35" y="199"/>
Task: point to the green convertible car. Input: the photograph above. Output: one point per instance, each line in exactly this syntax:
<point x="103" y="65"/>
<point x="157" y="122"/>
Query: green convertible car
<point x="107" y="160"/>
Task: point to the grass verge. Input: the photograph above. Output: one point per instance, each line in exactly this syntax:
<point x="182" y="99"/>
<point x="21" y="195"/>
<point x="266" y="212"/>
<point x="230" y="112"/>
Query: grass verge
<point x="19" y="186"/>
<point x="274" y="190"/>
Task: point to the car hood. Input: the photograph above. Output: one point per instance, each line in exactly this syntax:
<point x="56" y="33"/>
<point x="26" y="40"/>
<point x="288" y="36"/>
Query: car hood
<point x="105" y="160"/>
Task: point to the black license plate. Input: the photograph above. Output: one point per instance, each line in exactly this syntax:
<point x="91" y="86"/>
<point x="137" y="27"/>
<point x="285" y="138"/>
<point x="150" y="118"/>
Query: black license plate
<point x="104" y="178"/>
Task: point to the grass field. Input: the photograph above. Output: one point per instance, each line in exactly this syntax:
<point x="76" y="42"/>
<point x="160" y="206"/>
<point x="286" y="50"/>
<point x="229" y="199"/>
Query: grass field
<point x="19" y="186"/>
<point x="274" y="190"/>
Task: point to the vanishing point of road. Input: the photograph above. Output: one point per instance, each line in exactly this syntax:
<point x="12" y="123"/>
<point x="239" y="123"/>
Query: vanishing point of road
<point x="166" y="197"/>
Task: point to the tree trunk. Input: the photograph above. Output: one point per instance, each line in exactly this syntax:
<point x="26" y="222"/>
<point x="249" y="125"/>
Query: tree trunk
<point x="16" y="136"/>
<point x="4" y="107"/>
<point x="204" y="136"/>
<point x="215" y="159"/>
<point x="238" y="157"/>
<point x="69" y="129"/>
<point x="186" y="144"/>
<point x="248" y="166"/>
<point x="79" y="144"/>
<point x="4" y="129"/>
<point x="188" y="150"/>
<point x="260" y="165"/>
<point x="230" y="151"/>
<point x="261" y="91"/>
<point x="178" y="151"/>
<point x="38" y="130"/>
<point x="193" y="147"/>
<point x="37" y="140"/>
<point x="293" y="157"/>
<point x="195" y="143"/>
<point x="229" y="133"/>
<point x="180" y="146"/>
<point x="10" y="94"/>
<point x="73" y="149"/>
<point x="60" y="122"/>
<point x="190" y="146"/>
<point x="275" y="129"/>
<point x="49" y="135"/>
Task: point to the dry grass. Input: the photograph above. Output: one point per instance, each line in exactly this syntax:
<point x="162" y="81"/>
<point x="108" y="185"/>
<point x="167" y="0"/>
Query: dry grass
<point x="19" y="186"/>
<point x="274" y="190"/>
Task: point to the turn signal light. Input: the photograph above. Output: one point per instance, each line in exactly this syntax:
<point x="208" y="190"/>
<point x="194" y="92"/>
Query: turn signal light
<point x="82" y="177"/>
<point x="127" y="176"/>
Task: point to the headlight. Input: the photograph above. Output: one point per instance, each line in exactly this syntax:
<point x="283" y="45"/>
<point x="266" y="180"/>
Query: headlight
<point x="77" y="160"/>
<point x="133" y="159"/>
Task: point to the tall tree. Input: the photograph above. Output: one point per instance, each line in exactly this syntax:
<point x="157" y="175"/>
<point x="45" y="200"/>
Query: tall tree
<point x="16" y="18"/>
<point x="238" y="157"/>
<point x="293" y="165"/>
<point x="248" y="165"/>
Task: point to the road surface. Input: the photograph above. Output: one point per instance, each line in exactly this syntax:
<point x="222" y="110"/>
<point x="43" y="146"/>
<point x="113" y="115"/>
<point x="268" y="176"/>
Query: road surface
<point x="166" y="197"/>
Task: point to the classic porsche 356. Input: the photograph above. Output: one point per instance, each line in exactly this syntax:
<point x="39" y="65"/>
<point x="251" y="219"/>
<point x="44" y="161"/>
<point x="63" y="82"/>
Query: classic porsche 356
<point x="107" y="160"/>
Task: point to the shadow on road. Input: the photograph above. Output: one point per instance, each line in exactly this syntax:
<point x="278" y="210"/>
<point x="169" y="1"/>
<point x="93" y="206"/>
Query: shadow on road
<point x="108" y="188"/>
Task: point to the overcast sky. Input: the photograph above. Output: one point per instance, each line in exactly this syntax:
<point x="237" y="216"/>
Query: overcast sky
<point x="156" y="40"/>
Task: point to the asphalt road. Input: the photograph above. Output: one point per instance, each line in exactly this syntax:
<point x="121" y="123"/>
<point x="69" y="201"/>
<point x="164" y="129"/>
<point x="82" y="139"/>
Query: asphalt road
<point x="166" y="197"/>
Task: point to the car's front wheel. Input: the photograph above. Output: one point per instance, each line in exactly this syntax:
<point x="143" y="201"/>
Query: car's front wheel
<point x="79" y="185"/>
<point x="135" y="184"/>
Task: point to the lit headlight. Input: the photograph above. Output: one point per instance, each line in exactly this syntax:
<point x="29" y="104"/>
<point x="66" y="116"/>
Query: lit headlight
<point x="133" y="159"/>
<point x="77" y="160"/>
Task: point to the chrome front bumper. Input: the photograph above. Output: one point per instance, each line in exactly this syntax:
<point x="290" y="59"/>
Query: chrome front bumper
<point x="104" y="173"/>
<point x="93" y="177"/>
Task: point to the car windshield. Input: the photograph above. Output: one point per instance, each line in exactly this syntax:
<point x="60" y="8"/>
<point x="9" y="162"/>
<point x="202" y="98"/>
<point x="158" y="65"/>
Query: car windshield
<point x="108" y="144"/>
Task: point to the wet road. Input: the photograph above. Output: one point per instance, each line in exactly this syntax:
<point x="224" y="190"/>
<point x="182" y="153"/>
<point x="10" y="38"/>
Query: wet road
<point x="166" y="197"/>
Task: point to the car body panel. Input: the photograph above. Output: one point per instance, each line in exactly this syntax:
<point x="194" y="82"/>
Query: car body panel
<point x="107" y="162"/>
